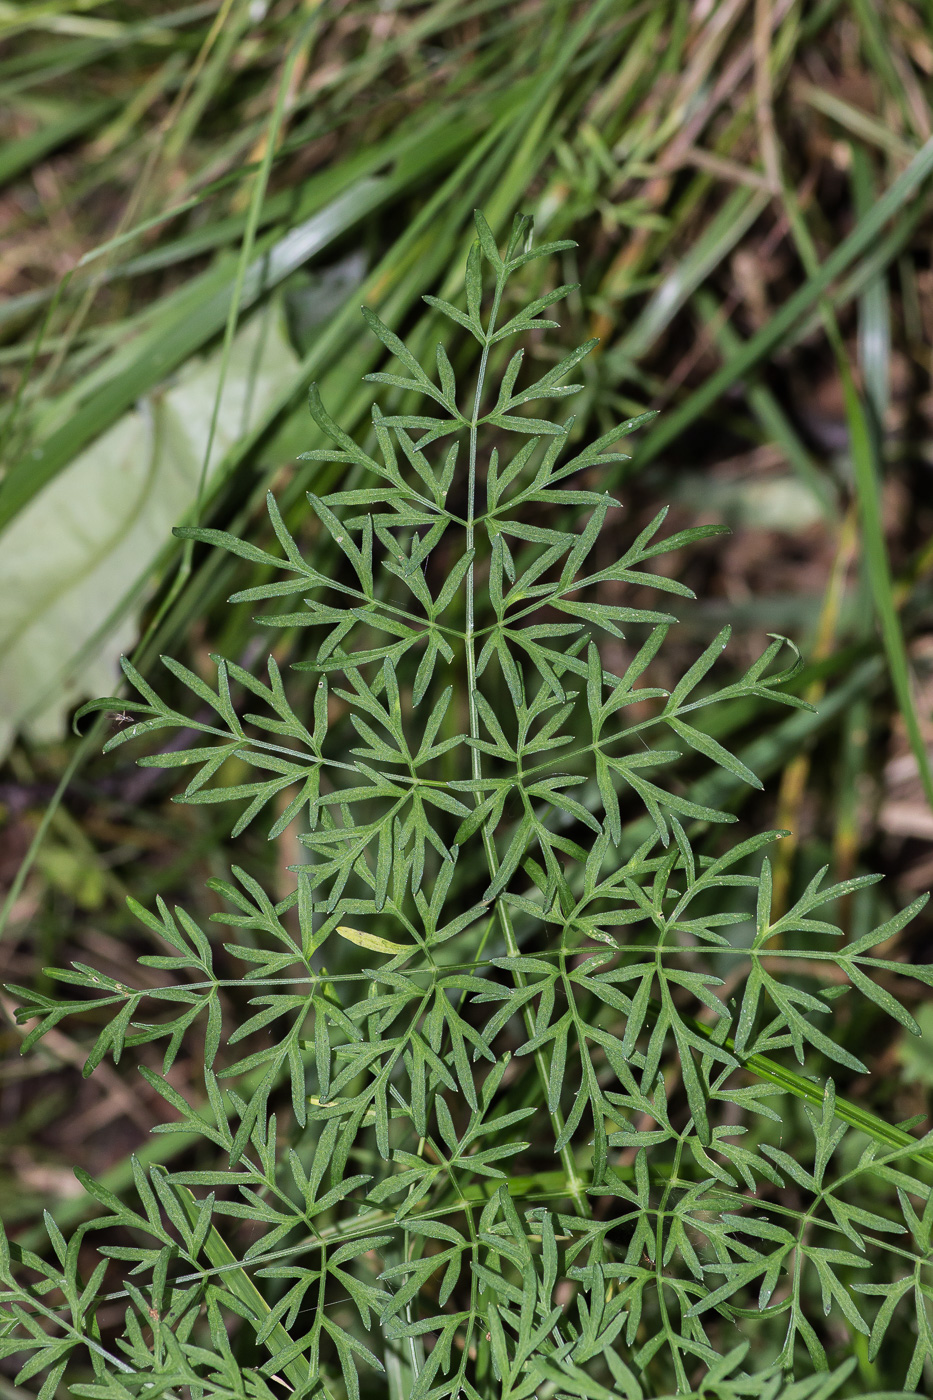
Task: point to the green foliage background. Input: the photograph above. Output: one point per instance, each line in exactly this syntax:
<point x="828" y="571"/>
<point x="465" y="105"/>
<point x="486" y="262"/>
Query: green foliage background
<point x="670" y="143"/>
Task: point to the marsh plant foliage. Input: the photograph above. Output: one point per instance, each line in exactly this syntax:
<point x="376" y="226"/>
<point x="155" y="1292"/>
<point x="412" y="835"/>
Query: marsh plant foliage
<point x="504" y="1114"/>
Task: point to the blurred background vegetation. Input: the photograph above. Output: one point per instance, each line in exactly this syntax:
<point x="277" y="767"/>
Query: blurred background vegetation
<point x="196" y="200"/>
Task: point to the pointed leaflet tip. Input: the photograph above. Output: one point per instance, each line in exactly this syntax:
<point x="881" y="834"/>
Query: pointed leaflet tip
<point x="486" y="238"/>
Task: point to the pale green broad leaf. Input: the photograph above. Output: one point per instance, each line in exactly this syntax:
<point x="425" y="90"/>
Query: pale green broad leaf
<point x="95" y="533"/>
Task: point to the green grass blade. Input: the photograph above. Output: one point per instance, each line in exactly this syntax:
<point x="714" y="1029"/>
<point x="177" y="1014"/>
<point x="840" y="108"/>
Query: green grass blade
<point x="804" y="299"/>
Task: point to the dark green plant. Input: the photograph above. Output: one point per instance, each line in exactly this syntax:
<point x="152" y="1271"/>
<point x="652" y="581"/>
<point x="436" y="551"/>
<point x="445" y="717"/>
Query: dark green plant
<point x="505" y="944"/>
